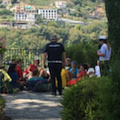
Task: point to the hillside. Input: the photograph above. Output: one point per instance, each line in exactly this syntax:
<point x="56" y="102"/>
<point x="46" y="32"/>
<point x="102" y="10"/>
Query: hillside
<point x="76" y="9"/>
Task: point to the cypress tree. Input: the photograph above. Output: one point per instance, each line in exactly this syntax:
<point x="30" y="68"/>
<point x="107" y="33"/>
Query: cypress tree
<point x="113" y="15"/>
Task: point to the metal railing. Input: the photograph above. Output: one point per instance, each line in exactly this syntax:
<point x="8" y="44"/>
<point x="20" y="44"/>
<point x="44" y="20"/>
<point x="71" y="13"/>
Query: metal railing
<point x="27" y="56"/>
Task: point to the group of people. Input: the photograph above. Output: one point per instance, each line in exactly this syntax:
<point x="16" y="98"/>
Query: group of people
<point x="55" y="54"/>
<point x="61" y="71"/>
<point x="28" y="77"/>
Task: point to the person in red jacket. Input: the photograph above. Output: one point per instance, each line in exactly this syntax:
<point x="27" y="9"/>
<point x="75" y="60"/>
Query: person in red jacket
<point x="31" y="67"/>
<point x="79" y="76"/>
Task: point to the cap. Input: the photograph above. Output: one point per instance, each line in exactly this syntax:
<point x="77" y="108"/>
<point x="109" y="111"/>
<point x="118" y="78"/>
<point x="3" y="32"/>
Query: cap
<point x="73" y="62"/>
<point x="54" y="37"/>
<point x="102" y="38"/>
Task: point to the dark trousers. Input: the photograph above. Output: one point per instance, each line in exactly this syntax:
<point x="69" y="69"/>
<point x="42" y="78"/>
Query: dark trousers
<point x="104" y="68"/>
<point x="55" y="72"/>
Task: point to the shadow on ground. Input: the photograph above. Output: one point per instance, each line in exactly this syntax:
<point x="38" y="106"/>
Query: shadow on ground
<point x="28" y="105"/>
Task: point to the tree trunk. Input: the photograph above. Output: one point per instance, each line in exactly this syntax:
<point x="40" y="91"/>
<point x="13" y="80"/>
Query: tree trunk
<point x="113" y="15"/>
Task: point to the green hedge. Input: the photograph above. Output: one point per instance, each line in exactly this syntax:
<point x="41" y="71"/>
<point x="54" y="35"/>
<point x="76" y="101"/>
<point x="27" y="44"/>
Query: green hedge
<point x="80" y="102"/>
<point x="94" y="98"/>
<point x="83" y="52"/>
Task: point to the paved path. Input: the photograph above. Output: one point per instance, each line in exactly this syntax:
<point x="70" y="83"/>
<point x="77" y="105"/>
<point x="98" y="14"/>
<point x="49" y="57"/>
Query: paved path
<point x="33" y="106"/>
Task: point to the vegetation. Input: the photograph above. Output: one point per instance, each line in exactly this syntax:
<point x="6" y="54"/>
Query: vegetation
<point x="81" y="8"/>
<point x="113" y="15"/>
<point x="37" y="37"/>
<point x="2" y="103"/>
<point x="98" y="98"/>
<point x="94" y="98"/>
<point x="83" y="53"/>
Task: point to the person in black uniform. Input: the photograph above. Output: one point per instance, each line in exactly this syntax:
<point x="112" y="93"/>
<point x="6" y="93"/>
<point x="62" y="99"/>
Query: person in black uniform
<point x="56" y="57"/>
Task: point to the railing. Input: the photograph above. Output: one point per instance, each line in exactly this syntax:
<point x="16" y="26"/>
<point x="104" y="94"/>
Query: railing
<point x="27" y="56"/>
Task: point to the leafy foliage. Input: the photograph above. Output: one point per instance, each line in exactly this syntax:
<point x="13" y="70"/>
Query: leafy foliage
<point x="80" y="102"/>
<point x="2" y="103"/>
<point x="94" y="98"/>
<point x="84" y="52"/>
<point x="113" y="15"/>
<point x="5" y="12"/>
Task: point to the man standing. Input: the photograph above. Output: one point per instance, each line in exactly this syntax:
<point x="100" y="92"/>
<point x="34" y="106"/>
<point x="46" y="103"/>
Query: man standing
<point x="56" y="56"/>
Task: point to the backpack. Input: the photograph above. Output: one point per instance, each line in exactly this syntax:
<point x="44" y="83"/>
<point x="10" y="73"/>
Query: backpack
<point x="5" y="86"/>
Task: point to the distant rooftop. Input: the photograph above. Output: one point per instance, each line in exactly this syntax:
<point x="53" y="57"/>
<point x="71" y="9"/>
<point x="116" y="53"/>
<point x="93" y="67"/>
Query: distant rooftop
<point x="28" y="7"/>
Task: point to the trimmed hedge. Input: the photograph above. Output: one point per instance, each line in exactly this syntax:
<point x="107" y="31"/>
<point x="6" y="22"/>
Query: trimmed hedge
<point x="80" y="101"/>
<point x="83" y="52"/>
<point x="94" y="98"/>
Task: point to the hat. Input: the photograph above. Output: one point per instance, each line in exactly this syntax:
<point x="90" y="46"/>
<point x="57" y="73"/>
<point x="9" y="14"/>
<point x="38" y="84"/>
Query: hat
<point x="102" y="38"/>
<point x="54" y="37"/>
<point x="73" y="62"/>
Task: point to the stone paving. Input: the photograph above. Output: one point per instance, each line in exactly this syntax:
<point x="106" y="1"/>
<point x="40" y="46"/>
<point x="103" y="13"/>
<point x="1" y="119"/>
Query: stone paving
<point x="28" y="105"/>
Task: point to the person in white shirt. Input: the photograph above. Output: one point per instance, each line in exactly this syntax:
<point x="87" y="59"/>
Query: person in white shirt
<point x="97" y="70"/>
<point x="104" y="54"/>
<point x="90" y="71"/>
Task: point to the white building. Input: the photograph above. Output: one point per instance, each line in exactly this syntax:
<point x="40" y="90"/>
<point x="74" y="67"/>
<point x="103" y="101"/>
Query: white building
<point x="20" y="16"/>
<point x="6" y="2"/>
<point x="49" y="14"/>
<point x="25" y="13"/>
<point x="61" y="4"/>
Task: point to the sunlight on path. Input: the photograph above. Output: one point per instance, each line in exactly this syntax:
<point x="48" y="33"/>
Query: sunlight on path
<point x="33" y="106"/>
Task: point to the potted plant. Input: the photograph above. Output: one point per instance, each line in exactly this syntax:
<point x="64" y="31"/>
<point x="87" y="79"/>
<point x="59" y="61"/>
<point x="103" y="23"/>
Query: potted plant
<point x="2" y="50"/>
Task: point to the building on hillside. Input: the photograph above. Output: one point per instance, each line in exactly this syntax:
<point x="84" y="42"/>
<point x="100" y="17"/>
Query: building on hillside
<point x="30" y="13"/>
<point x="22" y="25"/>
<point x="5" y="24"/>
<point x="61" y="4"/>
<point x="49" y="14"/>
<point x="25" y="13"/>
<point x="17" y="24"/>
<point x="6" y="2"/>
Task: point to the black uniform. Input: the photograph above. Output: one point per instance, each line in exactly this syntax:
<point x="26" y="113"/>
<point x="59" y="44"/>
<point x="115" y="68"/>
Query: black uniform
<point x="54" y="51"/>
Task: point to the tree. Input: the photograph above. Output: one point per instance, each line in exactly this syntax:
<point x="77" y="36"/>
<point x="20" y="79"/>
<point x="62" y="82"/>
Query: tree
<point x="113" y="15"/>
<point x="38" y="19"/>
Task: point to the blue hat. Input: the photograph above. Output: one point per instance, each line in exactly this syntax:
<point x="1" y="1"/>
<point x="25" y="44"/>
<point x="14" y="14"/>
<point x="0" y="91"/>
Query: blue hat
<point x="73" y="62"/>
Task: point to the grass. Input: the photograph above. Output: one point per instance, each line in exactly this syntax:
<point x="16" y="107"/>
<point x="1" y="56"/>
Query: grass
<point x="2" y="103"/>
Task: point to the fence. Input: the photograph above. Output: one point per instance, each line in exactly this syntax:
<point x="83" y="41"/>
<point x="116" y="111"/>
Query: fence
<point x="27" y="56"/>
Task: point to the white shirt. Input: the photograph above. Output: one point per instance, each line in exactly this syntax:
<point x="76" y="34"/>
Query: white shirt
<point x="97" y="69"/>
<point x="104" y="50"/>
<point x="90" y="70"/>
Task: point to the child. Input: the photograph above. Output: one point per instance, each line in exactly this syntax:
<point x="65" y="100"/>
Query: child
<point x="73" y="70"/>
<point x="64" y="76"/>
<point x="79" y="76"/>
<point x="35" y="79"/>
<point x="97" y="69"/>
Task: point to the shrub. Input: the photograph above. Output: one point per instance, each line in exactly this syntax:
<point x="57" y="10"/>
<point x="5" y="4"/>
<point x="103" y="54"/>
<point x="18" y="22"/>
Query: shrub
<point x="110" y="95"/>
<point x="2" y="103"/>
<point x="81" y="101"/>
<point x="83" y="52"/>
<point x="94" y="98"/>
<point x="5" y="12"/>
